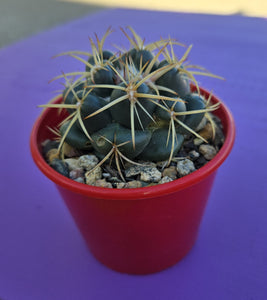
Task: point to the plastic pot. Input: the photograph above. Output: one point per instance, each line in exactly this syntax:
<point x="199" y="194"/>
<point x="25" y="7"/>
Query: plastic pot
<point x="141" y="230"/>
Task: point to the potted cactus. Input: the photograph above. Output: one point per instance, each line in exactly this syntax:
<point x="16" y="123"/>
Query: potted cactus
<point x="128" y="116"/>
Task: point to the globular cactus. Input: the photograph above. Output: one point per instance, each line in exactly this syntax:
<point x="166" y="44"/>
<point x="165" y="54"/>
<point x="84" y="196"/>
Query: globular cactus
<point x="130" y="105"/>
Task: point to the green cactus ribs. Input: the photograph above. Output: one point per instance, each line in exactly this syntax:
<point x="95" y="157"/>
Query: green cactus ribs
<point x="131" y="105"/>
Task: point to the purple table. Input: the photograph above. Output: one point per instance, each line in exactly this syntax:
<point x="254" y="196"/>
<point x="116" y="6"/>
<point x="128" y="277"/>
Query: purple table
<point x="43" y="256"/>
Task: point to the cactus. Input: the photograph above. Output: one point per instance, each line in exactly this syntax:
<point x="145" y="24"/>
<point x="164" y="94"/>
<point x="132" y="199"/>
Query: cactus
<point x="130" y="105"/>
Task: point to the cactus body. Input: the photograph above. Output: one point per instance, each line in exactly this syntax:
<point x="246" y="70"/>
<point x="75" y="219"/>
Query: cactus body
<point x="89" y="105"/>
<point x="69" y="97"/>
<point x="142" y="58"/>
<point x="75" y="136"/>
<point x="121" y="111"/>
<point x="193" y="102"/>
<point x="115" y="133"/>
<point x="159" y="147"/>
<point x="132" y="105"/>
<point x="176" y="107"/>
<point x="175" y="81"/>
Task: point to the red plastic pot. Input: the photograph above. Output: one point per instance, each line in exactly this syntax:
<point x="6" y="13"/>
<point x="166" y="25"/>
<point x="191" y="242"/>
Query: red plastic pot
<point x="142" y="230"/>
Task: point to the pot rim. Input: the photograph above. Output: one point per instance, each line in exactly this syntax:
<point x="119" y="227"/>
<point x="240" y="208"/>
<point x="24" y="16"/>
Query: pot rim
<point x="144" y="192"/>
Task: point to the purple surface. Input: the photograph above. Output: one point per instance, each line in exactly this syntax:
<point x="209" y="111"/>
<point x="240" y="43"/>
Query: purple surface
<point x="42" y="255"/>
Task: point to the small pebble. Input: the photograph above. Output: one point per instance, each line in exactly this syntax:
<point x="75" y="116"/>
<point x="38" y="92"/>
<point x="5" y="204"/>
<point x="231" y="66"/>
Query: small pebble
<point x="70" y="151"/>
<point x="202" y="124"/>
<point x="51" y="155"/>
<point x="79" y="179"/>
<point x="162" y="164"/>
<point x="165" y="179"/>
<point x="133" y="170"/>
<point x="198" y="141"/>
<point x="189" y="145"/>
<point x="170" y="172"/>
<point x="73" y="163"/>
<point x="200" y="162"/>
<point x="207" y="151"/>
<point x="103" y="183"/>
<point x="141" y="163"/>
<point x="185" y="167"/>
<point x="114" y="179"/>
<point x="77" y="173"/>
<point x="109" y="169"/>
<point x="207" y="132"/>
<point x="150" y="174"/>
<point x="92" y="176"/>
<point x="60" y="167"/>
<point x="129" y="185"/>
<point x="48" y="145"/>
<point x="106" y="175"/>
<point x="134" y="184"/>
<point x="194" y="155"/>
<point x="88" y="162"/>
<point x="120" y="185"/>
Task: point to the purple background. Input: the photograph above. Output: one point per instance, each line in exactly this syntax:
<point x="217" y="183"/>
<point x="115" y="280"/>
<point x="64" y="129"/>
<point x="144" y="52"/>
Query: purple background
<point x="43" y="256"/>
